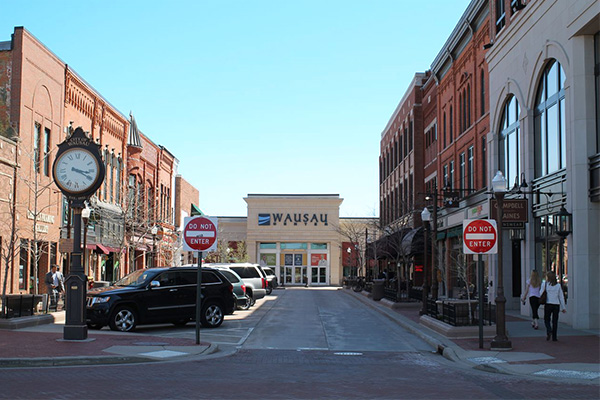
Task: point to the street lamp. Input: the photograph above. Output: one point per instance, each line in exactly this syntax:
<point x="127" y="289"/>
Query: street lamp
<point x="500" y="341"/>
<point x="154" y="231"/>
<point x="425" y="217"/>
<point x="564" y="222"/>
<point x="85" y="216"/>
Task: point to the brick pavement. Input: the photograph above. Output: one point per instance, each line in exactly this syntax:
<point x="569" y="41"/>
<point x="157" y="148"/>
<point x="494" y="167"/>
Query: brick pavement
<point x="22" y="344"/>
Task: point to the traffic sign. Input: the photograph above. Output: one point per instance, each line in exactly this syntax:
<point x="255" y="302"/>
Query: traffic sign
<point x="199" y="234"/>
<point x="480" y="236"/>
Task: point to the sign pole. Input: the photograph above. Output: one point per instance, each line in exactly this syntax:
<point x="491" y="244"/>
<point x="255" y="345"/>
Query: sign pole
<point x="481" y="294"/>
<point x="199" y="297"/>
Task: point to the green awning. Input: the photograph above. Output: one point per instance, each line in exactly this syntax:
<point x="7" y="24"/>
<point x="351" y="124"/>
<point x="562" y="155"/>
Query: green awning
<point x="196" y="210"/>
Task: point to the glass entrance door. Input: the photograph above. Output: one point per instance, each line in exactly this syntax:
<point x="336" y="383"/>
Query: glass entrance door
<point x="294" y="270"/>
<point x="318" y="275"/>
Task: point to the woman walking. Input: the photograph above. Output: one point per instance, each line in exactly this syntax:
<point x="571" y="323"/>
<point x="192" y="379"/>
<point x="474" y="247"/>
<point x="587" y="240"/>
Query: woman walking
<point x="555" y="300"/>
<point x="533" y="292"/>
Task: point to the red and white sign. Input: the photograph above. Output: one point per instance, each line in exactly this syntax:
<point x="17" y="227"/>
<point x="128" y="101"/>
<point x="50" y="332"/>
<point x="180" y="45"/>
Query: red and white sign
<point x="199" y="234"/>
<point x="480" y="236"/>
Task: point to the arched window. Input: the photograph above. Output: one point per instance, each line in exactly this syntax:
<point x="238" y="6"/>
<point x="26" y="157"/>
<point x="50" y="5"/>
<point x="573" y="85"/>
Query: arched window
<point x="451" y="126"/>
<point x="510" y="141"/>
<point x="468" y="105"/>
<point x="444" y="130"/>
<point x="460" y="112"/>
<point x="550" y="135"/>
<point x="482" y="94"/>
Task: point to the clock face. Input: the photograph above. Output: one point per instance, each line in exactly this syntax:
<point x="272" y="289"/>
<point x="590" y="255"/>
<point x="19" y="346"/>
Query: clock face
<point x="76" y="170"/>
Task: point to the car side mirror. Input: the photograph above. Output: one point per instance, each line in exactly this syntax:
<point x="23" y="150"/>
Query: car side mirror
<point x="154" y="284"/>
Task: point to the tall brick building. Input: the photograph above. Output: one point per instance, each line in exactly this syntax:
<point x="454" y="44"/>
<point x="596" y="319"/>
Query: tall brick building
<point x="41" y="99"/>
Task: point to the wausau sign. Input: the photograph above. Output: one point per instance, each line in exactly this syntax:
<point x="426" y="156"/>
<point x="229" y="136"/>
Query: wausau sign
<point x="295" y="218"/>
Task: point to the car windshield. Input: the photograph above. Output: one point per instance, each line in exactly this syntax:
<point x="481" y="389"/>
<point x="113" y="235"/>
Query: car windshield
<point x="136" y="278"/>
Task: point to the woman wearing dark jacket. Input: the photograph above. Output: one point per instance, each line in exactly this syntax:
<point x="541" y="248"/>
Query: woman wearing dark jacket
<point x="555" y="302"/>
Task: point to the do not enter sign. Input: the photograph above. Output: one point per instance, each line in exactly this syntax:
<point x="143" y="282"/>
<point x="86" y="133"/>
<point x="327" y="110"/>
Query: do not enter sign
<point x="199" y="233"/>
<point x="480" y="236"/>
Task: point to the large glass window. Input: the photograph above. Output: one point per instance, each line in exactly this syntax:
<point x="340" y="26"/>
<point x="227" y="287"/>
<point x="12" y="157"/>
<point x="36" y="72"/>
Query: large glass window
<point x="510" y="141"/>
<point x="294" y="246"/>
<point x="550" y="135"/>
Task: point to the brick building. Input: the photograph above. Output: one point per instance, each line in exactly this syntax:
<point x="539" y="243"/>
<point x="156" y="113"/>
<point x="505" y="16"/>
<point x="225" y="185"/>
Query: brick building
<point x="41" y="99"/>
<point x="187" y="199"/>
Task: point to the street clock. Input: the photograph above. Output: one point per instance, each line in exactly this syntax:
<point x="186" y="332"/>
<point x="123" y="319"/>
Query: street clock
<point x="78" y="170"/>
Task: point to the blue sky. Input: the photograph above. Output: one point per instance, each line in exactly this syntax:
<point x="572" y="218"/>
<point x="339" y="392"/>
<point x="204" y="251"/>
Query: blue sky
<point x="252" y="96"/>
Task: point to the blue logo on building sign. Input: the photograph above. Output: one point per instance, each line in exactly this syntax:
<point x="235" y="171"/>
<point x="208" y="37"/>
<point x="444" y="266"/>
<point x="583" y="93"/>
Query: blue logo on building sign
<point x="264" y="219"/>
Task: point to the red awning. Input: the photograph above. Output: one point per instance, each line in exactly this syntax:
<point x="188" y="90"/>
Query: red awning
<point x="90" y="246"/>
<point x="103" y="249"/>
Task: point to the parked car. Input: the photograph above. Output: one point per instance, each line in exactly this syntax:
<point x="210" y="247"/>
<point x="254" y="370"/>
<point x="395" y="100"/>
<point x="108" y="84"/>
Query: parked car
<point x="239" y="288"/>
<point x="160" y="295"/>
<point x="271" y="279"/>
<point x="254" y="278"/>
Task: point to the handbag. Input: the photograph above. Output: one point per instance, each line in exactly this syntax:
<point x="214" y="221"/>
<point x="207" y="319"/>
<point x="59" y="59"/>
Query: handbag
<point x="544" y="296"/>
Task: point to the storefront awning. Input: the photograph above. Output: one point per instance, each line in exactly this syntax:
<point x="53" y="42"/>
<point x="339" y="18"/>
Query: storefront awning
<point x="90" y="246"/>
<point x="196" y="210"/>
<point x="413" y="242"/>
<point x="106" y="249"/>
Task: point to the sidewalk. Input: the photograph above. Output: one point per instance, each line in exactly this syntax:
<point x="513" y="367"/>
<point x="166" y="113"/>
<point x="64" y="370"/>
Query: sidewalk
<point x="576" y="355"/>
<point x="43" y="345"/>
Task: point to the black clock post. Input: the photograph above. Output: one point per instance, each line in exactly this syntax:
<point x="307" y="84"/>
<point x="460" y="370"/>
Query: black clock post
<point x="78" y="171"/>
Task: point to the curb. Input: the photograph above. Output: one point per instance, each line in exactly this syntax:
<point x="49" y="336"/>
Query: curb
<point x="44" y="362"/>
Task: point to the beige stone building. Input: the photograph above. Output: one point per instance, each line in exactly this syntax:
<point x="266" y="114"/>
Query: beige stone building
<point x="300" y="236"/>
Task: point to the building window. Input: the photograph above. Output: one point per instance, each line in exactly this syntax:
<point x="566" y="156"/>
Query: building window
<point x="482" y="92"/>
<point x="444" y="130"/>
<point x="460" y="113"/>
<point x="470" y="169"/>
<point x="451" y="177"/>
<point x="47" y="152"/>
<point x="446" y="177"/>
<point x="451" y="127"/>
<point x="500" y="15"/>
<point x="468" y="106"/>
<point x="510" y="141"/>
<point x="36" y="146"/>
<point x="549" y="122"/>
<point x="483" y="162"/>
<point x="112" y="178"/>
<point x="410" y="135"/>
<point x="119" y="172"/>
<point x="461" y="172"/>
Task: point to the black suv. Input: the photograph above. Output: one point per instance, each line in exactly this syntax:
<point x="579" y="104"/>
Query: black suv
<point x="159" y="295"/>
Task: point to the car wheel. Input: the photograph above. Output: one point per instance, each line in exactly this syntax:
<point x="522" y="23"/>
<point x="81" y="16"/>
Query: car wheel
<point x="95" y="326"/>
<point x="181" y="322"/>
<point x="246" y="305"/>
<point x="212" y="315"/>
<point x="269" y="289"/>
<point x="123" y="319"/>
<point x="252" y="301"/>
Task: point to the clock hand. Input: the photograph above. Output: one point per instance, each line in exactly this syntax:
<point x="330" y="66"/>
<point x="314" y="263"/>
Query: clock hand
<point x="79" y="171"/>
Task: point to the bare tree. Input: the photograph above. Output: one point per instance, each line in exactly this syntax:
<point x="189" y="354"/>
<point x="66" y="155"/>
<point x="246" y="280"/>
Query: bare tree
<point x="354" y="231"/>
<point x="460" y="267"/>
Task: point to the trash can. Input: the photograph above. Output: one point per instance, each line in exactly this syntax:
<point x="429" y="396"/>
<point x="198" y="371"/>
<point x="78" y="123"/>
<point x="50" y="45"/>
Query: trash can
<point x="377" y="291"/>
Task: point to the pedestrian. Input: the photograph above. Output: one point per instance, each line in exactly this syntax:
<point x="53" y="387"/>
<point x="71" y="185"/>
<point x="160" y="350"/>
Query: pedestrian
<point x="51" y="286"/>
<point x="533" y="293"/>
<point x="555" y="301"/>
<point x="59" y="282"/>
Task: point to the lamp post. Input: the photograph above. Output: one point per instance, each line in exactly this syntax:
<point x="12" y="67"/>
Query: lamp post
<point x="425" y="217"/>
<point x="85" y="216"/>
<point x="154" y="231"/>
<point x="500" y="341"/>
<point x="564" y="222"/>
<point x="434" y="281"/>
